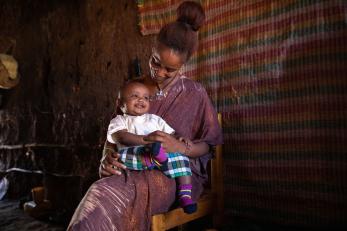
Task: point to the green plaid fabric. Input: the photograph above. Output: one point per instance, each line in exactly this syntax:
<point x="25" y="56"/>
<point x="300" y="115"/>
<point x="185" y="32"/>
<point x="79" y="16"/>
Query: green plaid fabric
<point x="131" y="157"/>
<point x="176" y="166"/>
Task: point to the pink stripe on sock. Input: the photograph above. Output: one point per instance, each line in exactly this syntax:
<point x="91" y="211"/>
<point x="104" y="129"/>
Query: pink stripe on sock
<point x="161" y="157"/>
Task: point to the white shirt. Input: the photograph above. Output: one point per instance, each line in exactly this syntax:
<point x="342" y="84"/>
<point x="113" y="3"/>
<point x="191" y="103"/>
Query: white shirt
<point x="139" y="125"/>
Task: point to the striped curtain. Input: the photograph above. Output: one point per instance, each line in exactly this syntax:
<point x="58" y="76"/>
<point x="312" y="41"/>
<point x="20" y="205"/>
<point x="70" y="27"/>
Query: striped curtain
<point x="277" y="70"/>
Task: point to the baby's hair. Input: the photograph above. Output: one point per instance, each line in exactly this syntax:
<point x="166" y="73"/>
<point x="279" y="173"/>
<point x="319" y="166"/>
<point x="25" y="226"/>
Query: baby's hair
<point x="127" y="84"/>
<point x="121" y="92"/>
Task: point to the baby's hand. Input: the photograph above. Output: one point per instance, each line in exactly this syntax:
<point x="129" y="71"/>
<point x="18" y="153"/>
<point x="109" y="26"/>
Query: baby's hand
<point x="153" y="136"/>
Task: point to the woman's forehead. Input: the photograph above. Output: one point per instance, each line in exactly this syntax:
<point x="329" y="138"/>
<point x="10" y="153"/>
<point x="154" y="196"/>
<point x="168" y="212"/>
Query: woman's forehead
<point x="168" y="57"/>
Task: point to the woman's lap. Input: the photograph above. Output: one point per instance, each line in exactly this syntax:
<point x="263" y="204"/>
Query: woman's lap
<point x="126" y="202"/>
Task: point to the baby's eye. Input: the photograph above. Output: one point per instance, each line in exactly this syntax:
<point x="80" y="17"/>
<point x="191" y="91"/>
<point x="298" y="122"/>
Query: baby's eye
<point x="134" y="96"/>
<point x="146" y="98"/>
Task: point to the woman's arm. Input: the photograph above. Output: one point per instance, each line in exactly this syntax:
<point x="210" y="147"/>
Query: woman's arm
<point x="171" y="144"/>
<point x="194" y="150"/>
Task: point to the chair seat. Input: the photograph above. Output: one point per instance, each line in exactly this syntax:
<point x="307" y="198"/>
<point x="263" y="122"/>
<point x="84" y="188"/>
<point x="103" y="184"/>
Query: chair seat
<point x="177" y="216"/>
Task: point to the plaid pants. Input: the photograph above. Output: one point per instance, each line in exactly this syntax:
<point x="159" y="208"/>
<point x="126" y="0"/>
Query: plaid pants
<point x="177" y="164"/>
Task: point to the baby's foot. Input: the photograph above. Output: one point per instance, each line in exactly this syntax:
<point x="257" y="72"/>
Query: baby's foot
<point x="185" y="198"/>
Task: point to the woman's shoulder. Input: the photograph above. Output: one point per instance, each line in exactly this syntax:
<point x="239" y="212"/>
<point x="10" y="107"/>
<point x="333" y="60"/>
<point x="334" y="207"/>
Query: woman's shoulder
<point x="190" y="84"/>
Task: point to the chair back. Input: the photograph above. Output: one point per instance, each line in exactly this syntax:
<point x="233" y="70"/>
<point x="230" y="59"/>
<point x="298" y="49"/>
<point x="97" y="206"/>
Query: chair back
<point x="216" y="177"/>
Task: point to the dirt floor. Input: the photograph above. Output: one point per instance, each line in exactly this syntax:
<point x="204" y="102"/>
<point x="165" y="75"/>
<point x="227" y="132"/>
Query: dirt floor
<point x="13" y="218"/>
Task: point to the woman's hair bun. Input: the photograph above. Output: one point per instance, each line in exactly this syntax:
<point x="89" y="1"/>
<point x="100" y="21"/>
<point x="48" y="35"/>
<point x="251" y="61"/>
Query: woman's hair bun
<point x="191" y="13"/>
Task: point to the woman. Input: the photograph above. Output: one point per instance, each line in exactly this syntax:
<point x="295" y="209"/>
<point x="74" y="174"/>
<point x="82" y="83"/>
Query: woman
<point x="126" y="200"/>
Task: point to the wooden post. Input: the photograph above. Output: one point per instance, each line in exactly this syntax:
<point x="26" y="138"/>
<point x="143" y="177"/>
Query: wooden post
<point x="217" y="169"/>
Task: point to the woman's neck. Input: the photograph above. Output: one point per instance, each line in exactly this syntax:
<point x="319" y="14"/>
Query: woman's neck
<point x="152" y="86"/>
<point x="156" y="88"/>
<point x="164" y="87"/>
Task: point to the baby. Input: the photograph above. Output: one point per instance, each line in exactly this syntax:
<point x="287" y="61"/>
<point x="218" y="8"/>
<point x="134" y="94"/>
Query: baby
<point x="128" y="131"/>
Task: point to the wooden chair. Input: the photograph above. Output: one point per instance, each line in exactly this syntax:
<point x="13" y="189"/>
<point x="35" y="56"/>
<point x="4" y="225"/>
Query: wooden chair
<point x="211" y="201"/>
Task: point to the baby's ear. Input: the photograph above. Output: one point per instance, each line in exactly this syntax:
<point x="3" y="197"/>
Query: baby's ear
<point x="118" y="102"/>
<point x="119" y="105"/>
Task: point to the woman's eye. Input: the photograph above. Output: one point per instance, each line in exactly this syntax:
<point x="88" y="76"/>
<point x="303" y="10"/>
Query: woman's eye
<point x="155" y="62"/>
<point x="169" y="70"/>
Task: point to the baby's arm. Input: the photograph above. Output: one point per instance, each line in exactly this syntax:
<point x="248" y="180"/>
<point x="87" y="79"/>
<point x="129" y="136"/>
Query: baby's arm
<point x="129" y="139"/>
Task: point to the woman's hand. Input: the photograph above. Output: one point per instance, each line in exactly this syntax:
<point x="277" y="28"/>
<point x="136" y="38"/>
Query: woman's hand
<point x="110" y="165"/>
<point x="168" y="142"/>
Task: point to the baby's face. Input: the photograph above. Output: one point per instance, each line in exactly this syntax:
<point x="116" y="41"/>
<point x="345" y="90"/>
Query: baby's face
<point x="136" y="99"/>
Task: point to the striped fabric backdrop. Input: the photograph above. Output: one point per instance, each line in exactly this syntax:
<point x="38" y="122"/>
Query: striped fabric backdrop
<point x="277" y="70"/>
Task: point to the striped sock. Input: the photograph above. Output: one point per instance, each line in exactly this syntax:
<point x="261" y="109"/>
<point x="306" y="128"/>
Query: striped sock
<point x="185" y="198"/>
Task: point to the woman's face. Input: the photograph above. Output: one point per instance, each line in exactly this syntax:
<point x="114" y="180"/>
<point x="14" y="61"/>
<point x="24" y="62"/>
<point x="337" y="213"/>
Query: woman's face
<point x="164" y="63"/>
<point x="135" y="99"/>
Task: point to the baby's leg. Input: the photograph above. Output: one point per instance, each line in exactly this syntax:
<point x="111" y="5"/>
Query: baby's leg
<point x="178" y="167"/>
<point x="136" y="158"/>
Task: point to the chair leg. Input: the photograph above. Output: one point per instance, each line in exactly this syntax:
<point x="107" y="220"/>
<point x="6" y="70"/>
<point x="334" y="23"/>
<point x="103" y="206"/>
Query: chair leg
<point x="158" y="223"/>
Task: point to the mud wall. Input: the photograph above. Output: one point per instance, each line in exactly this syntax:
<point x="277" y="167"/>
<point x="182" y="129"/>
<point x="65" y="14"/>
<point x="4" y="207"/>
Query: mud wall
<point x="73" y="56"/>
